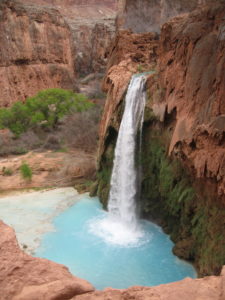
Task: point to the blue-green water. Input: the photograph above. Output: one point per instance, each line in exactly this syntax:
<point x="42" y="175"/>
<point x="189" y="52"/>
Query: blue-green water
<point x="79" y="244"/>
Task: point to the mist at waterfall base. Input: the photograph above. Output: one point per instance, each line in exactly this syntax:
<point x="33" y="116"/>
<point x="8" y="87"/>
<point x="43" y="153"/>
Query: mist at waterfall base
<point x="114" y="248"/>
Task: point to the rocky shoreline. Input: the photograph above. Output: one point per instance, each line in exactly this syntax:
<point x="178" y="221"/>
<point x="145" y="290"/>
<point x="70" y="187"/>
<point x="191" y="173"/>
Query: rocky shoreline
<point x="23" y="277"/>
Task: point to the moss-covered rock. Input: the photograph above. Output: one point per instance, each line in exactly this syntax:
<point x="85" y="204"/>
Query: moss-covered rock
<point x="171" y="197"/>
<point x="105" y="168"/>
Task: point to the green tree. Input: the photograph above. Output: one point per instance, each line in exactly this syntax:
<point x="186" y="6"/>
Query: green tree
<point x="44" y="109"/>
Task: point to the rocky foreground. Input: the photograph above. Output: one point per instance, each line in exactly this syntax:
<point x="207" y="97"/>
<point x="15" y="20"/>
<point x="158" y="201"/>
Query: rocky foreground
<point x="23" y="277"/>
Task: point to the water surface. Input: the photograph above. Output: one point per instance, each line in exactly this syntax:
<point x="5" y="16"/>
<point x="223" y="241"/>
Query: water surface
<point x="78" y="242"/>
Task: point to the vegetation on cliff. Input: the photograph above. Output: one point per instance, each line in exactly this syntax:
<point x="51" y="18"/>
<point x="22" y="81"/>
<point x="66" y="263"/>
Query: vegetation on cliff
<point x="171" y="197"/>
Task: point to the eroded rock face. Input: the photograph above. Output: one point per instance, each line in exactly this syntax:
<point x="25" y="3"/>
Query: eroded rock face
<point x="191" y="65"/>
<point x="23" y="277"/>
<point x="130" y="53"/>
<point x="48" y="44"/>
<point x="35" y="51"/>
<point x="149" y="15"/>
<point x="92" y="24"/>
<point x="91" y="39"/>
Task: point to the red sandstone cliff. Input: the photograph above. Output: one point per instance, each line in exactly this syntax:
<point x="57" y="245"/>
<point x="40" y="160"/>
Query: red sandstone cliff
<point x="92" y="24"/>
<point x="191" y="69"/>
<point x="45" y="43"/>
<point x="35" y="51"/>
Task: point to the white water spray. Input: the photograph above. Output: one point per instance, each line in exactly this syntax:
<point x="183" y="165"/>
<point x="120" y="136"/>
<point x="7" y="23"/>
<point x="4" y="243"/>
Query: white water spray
<point x="124" y="181"/>
<point x="121" y="225"/>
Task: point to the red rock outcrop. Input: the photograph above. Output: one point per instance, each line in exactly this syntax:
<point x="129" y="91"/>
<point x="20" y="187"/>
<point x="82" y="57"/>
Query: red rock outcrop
<point x="35" y="51"/>
<point x="130" y="53"/>
<point x="208" y="288"/>
<point x="191" y="69"/>
<point x="23" y="277"/>
<point x="91" y="39"/>
<point x="92" y="24"/>
<point x="45" y="44"/>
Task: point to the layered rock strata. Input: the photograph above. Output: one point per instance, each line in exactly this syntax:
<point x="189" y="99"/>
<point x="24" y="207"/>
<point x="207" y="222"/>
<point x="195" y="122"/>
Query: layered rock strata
<point x="35" y="51"/>
<point x="48" y="44"/>
<point x="191" y="64"/>
<point x="92" y="24"/>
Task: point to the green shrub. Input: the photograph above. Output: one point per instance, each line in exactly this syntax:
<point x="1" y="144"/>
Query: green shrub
<point x="26" y="171"/>
<point x="45" y="109"/>
<point x="7" y="171"/>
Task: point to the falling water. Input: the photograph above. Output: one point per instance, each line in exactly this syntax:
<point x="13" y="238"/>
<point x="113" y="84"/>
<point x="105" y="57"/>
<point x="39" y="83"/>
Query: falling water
<point x="121" y="226"/>
<point x="124" y="181"/>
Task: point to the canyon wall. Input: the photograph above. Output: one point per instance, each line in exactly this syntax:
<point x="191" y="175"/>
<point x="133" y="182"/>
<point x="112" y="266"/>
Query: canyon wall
<point x="35" y="51"/>
<point x="91" y="39"/>
<point x="92" y="25"/>
<point x="183" y="186"/>
<point x="49" y="44"/>
<point x="149" y="15"/>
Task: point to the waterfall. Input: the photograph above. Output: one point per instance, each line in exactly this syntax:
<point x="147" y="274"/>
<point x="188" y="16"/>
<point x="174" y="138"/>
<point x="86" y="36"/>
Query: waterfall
<point x="121" y="226"/>
<point x="124" y="180"/>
